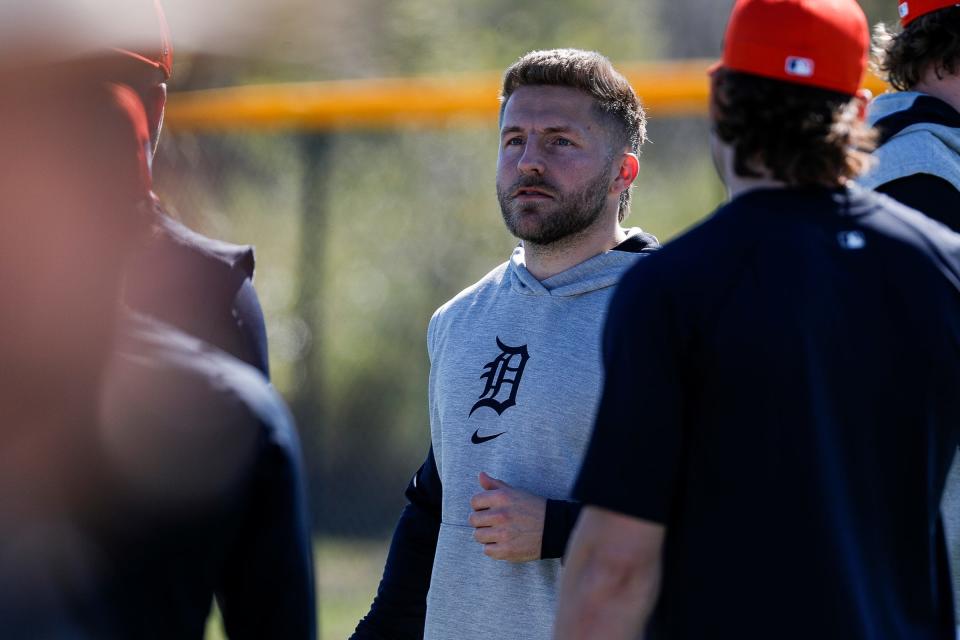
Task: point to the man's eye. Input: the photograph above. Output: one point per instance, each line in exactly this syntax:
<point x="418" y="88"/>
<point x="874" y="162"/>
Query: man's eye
<point x="563" y="142"/>
<point x="513" y="141"/>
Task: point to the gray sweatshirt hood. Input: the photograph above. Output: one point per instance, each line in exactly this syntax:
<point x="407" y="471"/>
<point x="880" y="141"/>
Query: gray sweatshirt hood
<point x="600" y="271"/>
<point x="920" y="144"/>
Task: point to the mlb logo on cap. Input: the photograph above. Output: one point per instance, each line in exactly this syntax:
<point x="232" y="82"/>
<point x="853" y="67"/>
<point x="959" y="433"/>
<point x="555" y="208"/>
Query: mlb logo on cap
<point x="910" y="10"/>
<point x="818" y="43"/>
<point x="801" y="67"/>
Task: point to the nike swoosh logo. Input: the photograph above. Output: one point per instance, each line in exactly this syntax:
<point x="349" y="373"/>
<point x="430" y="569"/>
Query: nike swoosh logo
<point x="476" y="438"/>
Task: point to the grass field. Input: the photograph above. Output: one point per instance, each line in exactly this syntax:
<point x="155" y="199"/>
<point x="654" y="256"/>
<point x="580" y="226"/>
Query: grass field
<point x="347" y="572"/>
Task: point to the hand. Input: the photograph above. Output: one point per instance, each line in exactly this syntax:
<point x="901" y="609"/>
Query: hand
<point x="508" y="521"/>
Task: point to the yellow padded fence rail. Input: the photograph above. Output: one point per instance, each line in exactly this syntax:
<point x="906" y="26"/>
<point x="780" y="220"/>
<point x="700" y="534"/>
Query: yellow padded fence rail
<point x="667" y="89"/>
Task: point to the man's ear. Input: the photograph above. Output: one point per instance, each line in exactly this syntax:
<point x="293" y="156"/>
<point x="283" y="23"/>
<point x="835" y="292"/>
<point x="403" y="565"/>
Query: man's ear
<point x="863" y="98"/>
<point x="629" y="168"/>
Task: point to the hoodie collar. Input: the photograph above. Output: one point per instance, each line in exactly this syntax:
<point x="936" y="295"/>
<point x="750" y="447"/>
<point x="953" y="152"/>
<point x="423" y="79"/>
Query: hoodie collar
<point x="601" y="271"/>
<point x="891" y="113"/>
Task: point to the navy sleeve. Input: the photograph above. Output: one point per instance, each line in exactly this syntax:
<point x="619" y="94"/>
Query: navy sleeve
<point x="933" y="196"/>
<point x="267" y="589"/>
<point x="557" y="526"/>
<point x="399" y="609"/>
<point x="633" y="459"/>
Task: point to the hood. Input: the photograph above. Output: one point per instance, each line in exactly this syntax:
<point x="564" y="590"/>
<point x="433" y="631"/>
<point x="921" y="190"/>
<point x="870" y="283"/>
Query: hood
<point x="896" y="113"/>
<point x="600" y="271"/>
<point x="918" y="134"/>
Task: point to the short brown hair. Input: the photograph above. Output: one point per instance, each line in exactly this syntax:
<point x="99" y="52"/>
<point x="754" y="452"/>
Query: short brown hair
<point x="932" y="40"/>
<point x="802" y="136"/>
<point x="588" y="71"/>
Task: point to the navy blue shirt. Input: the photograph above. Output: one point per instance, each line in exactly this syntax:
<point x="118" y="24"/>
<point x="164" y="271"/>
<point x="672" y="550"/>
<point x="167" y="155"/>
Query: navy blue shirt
<point x="797" y="358"/>
<point x="205" y="497"/>
<point x="201" y="286"/>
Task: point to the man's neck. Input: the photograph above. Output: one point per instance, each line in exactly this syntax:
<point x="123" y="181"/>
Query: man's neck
<point x="737" y="185"/>
<point x="946" y="88"/>
<point x="546" y="261"/>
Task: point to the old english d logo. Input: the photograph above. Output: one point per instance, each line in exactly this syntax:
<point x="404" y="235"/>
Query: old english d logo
<point x="502" y="377"/>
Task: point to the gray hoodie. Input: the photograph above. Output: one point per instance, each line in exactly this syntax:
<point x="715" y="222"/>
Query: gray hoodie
<point x="923" y="147"/>
<point x="515" y="380"/>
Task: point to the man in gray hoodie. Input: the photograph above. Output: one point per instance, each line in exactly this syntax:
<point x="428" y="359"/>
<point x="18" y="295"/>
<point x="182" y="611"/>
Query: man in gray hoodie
<point x="515" y="365"/>
<point x="919" y="124"/>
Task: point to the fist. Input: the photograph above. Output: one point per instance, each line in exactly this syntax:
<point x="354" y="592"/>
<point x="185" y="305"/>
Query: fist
<point x="507" y="521"/>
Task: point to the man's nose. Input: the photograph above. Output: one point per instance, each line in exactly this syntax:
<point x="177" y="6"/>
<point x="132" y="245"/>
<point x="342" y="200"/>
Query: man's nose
<point x="531" y="160"/>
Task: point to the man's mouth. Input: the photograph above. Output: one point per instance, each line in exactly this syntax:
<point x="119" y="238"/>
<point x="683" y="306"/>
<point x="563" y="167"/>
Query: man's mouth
<point x="531" y="193"/>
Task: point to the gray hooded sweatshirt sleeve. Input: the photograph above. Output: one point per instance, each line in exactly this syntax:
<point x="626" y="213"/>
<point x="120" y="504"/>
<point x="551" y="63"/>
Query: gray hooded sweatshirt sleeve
<point x="514" y="384"/>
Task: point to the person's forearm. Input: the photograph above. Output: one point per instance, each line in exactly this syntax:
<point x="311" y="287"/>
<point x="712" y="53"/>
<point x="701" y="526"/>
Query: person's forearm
<point x="398" y="611"/>
<point x="608" y="589"/>
<point x="604" y="601"/>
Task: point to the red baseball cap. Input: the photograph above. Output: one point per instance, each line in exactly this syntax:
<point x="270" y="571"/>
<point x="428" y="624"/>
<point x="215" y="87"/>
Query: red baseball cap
<point x="158" y="55"/>
<point x="820" y="43"/>
<point x="49" y="31"/>
<point x="910" y="10"/>
<point x="133" y="139"/>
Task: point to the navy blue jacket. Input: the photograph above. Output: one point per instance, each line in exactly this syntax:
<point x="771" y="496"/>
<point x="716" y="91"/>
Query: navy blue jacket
<point x="201" y="286"/>
<point x="196" y="491"/>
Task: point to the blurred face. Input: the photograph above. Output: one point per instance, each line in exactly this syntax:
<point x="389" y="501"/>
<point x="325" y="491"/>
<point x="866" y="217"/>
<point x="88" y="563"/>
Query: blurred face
<point x="556" y="167"/>
<point x="73" y="184"/>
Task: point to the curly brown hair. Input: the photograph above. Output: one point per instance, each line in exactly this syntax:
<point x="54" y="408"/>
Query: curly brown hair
<point x="932" y="40"/>
<point x="614" y="99"/>
<point x="799" y="135"/>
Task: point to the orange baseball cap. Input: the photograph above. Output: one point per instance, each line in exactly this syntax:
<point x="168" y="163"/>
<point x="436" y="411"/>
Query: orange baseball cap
<point x="820" y="43"/>
<point x="910" y="10"/>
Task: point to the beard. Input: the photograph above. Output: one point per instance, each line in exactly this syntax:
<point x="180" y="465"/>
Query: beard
<point x="548" y="222"/>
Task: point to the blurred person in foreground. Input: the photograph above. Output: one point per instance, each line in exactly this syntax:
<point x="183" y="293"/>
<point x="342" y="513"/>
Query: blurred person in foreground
<point x="144" y="470"/>
<point x="798" y="376"/>
<point x="209" y="489"/>
<point x="919" y="123"/>
<point x="70" y="220"/>
<point x="515" y="365"/>
<point x="200" y="285"/>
